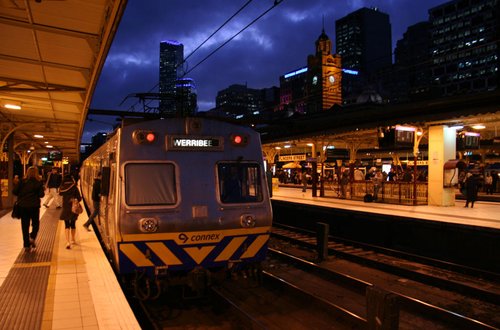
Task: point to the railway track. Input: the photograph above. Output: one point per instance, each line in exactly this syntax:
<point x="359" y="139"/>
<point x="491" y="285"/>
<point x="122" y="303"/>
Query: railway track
<point x="417" y="285"/>
<point x="449" y="276"/>
<point x="302" y="293"/>
<point x="241" y="304"/>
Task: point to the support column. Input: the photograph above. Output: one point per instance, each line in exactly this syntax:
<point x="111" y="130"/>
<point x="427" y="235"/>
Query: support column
<point x="442" y="147"/>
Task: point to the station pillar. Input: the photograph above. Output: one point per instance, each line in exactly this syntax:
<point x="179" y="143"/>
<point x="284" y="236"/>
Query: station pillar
<point x="442" y="147"/>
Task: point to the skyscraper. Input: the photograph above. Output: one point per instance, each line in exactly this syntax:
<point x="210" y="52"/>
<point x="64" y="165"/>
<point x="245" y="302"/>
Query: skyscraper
<point x="411" y="78"/>
<point x="363" y="40"/>
<point x="171" y="58"/>
<point x="185" y="97"/>
<point x="464" y="50"/>
<point x="239" y="101"/>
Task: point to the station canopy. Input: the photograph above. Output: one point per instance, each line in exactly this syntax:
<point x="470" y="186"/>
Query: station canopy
<point x="51" y="56"/>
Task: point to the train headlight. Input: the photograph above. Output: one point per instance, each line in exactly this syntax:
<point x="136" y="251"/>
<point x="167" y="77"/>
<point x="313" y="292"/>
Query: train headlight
<point x="247" y="221"/>
<point x="148" y="225"/>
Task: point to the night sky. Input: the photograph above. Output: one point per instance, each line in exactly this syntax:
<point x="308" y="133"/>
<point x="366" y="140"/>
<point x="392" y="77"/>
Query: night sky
<point x="277" y="43"/>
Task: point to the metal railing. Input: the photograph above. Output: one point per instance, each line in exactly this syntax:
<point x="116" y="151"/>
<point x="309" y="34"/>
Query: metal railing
<point x="402" y="193"/>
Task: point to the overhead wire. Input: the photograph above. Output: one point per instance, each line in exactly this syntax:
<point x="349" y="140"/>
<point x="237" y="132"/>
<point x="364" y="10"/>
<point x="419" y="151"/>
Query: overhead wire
<point x="276" y="3"/>
<point x="218" y="29"/>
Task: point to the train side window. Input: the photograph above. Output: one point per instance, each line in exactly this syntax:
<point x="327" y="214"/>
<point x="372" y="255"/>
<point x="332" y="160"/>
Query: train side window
<point x="150" y="184"/>
<point x="239" y="182"/>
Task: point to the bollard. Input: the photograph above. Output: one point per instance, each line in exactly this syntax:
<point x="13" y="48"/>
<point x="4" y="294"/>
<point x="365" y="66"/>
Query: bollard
<point x="322" y="240"/>
<point x="382" y="309"/>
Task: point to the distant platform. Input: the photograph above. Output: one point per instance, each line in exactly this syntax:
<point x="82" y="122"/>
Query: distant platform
<point x="484" y="214"/>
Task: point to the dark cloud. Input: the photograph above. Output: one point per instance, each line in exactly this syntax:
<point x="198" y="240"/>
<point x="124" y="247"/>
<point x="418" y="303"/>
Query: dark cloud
<point x="276" y="44"/>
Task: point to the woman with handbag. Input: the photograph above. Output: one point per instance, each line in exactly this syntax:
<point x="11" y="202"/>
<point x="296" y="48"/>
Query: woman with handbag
<point x="69" y="192"/>
<point x="29" y="190"/>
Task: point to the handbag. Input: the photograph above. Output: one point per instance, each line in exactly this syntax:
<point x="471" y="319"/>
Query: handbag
<point x="76" y="207"/>
<point x="16" y="212"/>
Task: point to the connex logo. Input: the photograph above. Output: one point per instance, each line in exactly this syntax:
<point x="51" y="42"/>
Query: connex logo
<point x="183" y="238"/>
<point x="199" y="238"/>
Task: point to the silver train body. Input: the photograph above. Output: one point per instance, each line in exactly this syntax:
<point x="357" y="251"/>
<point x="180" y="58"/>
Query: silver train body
<point x="180" y="196"/>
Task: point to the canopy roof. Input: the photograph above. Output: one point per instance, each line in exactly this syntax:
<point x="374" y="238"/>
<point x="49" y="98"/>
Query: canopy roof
<point x="51" y="56"/>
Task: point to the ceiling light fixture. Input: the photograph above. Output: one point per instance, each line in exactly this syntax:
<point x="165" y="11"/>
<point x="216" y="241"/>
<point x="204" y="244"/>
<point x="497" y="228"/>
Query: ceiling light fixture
<point x="12" y="105"/>
<point x="38" y="136"/>
<point x="478" y="126"/>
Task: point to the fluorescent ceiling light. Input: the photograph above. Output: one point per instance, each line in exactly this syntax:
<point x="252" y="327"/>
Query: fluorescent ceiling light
<point x="405" y="128"/>
<point x="478" y="126"/>
<point x="13" y="105"/>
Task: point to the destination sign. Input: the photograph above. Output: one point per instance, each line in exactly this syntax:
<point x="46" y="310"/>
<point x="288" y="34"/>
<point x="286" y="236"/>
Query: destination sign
<point x="182" y="142"/>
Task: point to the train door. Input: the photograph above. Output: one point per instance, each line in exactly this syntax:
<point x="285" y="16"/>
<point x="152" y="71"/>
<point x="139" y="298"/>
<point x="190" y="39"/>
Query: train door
<point x="108" y="204"/>
<point x="112" y="207"/>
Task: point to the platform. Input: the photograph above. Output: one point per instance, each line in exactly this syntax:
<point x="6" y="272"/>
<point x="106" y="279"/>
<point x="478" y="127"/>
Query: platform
<point x="56" y="288"/>
<point x="484" y="214"/>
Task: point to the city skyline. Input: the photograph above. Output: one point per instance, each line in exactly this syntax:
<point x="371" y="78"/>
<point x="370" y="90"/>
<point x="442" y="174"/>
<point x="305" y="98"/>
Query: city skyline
<point x="277" y="43"/>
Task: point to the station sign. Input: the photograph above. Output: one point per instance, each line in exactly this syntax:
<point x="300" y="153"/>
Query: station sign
<point x="419" y="162"/>
<point x="292" y="158"/>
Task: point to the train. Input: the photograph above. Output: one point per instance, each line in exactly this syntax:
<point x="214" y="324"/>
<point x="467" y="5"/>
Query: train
<point x="184" y="202"/>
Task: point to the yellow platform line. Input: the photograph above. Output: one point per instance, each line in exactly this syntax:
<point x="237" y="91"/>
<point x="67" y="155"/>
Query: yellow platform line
<point x="32" y="264"/>
<point x="48" y="306"/>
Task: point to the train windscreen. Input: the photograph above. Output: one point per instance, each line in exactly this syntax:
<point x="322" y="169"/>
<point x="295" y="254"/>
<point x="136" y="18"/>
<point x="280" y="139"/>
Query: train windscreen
<point x="150" y="184"/>
<point x="239" y="182"/>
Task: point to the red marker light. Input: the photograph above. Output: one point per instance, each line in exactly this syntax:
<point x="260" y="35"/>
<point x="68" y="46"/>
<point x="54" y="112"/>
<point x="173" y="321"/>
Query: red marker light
<point x="239" y="140"/>
<point x="143" y="137"/>
<point x="150" y="137"/>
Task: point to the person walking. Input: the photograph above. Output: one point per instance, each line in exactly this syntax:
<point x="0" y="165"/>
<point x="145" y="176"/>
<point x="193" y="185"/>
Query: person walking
<point x="377" y="180"/>
<point x="304" y="181"/>
<point x="69" y="191"/>
<point x="471" y="187"/>
<point x="269" y="178"/>
<point x="494" y="176"/>
<point x="29" y="190"/>
<point x="96" y="200"/>
<point x="488" y="184"/>
<point x="54" y="180"/>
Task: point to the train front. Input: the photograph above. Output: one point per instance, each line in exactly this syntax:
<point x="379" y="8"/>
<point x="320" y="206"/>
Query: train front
<point x="195" y="203"/>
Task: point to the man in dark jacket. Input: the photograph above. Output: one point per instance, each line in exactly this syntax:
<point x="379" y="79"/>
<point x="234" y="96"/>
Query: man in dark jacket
<point x="29" y="191"/>
<point x="472" y="188"/>
<point x="96" y="200"/>
<point x="54" y="180"/>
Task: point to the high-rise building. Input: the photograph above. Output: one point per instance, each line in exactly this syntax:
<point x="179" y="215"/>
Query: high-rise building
<point x="364" y="42"/>
<point x="171" y="58"/>
<point x="465" y="46"/>
<point x="186" y="98"/>
<point x="411" y="78"/>
<point x="238" y="101"/>
<point x="293" y="91"/>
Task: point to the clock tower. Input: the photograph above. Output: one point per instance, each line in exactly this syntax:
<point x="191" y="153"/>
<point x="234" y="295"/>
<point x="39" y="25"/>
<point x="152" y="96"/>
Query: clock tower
<point x="324" y="77"/>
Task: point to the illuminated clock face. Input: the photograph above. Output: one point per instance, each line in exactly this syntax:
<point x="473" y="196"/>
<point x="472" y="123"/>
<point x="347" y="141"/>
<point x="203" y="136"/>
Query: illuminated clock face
<point x="331" y="79"/>
<point x="315" y="80"/>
